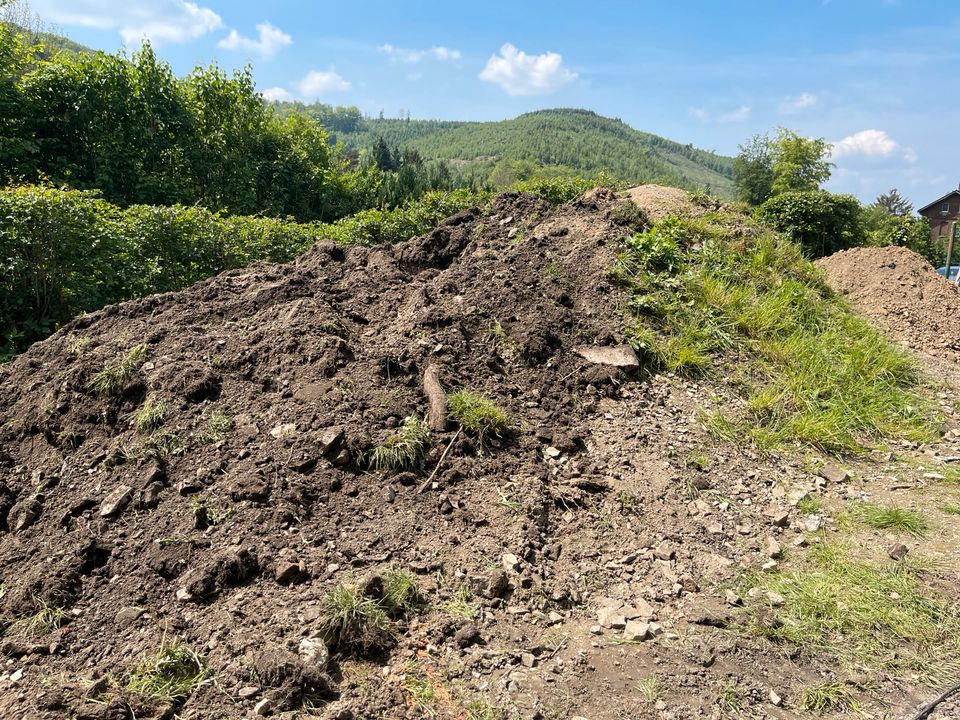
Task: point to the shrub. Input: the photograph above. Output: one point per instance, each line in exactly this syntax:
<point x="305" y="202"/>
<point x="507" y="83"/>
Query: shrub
<point x="821" y="222"/>
<point x="406" y="449"/>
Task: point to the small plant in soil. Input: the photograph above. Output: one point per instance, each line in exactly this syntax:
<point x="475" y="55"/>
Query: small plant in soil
<point x="729" y="700"/>
<point x="827" y="697"/>
<point x="951" y="508"/>
<point x="173" y="673"/>
<point x="889" y="517"/>
<point x="47" y="619"/>
<point x="650" y="688"/>
<point x="216" y="428"/>
<point x="810" y="505"/>
<point x="461" y="604"/>
<point x="420" y="690"/>
<point x="353" y="620"/>
<point x="406" y="449"/>
<point x="162" y="444"/>
<point x="483" y="709"/>
<point x="513" y="506"/>
<point x="118" y="371"/>
<point x="478" y="415"/>
<point x="206" y="516"/>
<point x="151" y="415"/>
<point x="401" y="594"/>
<point x="76" y="344"/>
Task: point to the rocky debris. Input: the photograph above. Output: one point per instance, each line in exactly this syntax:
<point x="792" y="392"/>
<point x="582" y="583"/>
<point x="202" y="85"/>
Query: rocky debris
<point x="898" y="551"/>
<point x="833" y="473"/>
<point x="222" y="570"/>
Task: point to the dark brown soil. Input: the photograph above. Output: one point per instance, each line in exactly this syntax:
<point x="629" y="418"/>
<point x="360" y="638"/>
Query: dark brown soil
<point x="607" y="497"/>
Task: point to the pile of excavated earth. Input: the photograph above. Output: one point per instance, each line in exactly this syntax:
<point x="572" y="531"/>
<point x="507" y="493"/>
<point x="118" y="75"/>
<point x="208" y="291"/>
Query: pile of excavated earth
<point x="559" y="565"/>
<point x="903" y="294"/>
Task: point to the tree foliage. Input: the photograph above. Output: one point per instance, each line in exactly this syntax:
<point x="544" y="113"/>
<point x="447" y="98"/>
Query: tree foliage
<point x="788" y="162"/>
<point x="894" y="203"/>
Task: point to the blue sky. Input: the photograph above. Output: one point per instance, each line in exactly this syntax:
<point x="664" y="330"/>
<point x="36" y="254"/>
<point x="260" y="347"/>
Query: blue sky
<point x="875" y="77"/>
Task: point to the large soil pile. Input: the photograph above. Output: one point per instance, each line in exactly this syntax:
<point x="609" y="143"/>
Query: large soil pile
<point x="903" y="293"/>
<point x="560" y="565"/>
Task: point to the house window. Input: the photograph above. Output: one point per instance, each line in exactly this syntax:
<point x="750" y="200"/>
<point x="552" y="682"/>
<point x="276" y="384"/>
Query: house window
<point x="945" y="208"/>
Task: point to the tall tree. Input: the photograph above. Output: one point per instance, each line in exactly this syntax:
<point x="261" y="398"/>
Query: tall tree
<point x="753" y="170"/>
<point x="894" y="203"/>
<point x="799" y="163"/>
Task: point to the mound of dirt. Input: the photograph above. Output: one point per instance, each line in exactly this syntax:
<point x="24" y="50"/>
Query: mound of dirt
<point x="560" y="564"/>
<point x="902" y="292"/>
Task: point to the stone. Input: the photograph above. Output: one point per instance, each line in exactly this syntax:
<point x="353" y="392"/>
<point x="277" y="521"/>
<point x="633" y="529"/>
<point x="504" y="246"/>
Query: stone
<point x="776" y="599"/>
<point x="528" y="660"/>
<point x="496" y="585"/>
<point x="774" y="549"/>
<point x="596" y="630"/>
<point x="116" y="500"/>
<point x="286" y="572"/>
<point x="621" y="356"/>
<point x="24" y="514"/>
<point x="467" y="635"/>
<point x="732" y="598"/>
<point x="611" y="618"/>
<point x="640" y="610"/>
<point x="775" y="699"/>
<point x="779" y="518"/>
<point x="665" y="551"/>
<point x="552" y="452"/>
<point x="314" y="652"/>
<point x="833" y="473"/>
<point x="636" y="630"/>
<point x="329" y="440"/>
<point x="554" y="618"/>
<point x="248" y="692"/>
<point x="898" y="551"/>
<point x="770" y="565"/>
<point x="283" y="430"/>
<point x="812" y="523"/>
<point x="263" y="708"/>
<point x="128" y="615"/>
<point x="511" y="563"/>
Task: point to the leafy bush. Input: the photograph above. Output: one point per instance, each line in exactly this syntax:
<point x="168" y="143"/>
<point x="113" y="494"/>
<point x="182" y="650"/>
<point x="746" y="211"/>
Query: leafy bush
<point x="883" y="228"/>
<point x="821" y="222"/>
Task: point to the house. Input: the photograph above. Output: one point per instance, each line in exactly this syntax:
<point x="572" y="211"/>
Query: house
<point x="941" y="212"/>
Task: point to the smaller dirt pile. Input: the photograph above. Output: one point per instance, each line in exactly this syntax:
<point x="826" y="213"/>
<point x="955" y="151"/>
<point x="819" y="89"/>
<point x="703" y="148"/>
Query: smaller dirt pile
<point x="903" y="293"/>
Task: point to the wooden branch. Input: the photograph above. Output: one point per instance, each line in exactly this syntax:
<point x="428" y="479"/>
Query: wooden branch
<point x="426" y="483"/>
<point x="437" y="398"/>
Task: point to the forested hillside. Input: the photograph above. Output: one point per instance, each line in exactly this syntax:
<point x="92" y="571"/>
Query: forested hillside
<point x="576" y="139"/>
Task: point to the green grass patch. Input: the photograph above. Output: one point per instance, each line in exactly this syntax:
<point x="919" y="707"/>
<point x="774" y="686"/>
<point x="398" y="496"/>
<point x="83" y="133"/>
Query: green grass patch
<point x="866" y="614"/>
<point x="353" y="620"/>
<point x="47" y="619"/>
<point x="827" y="697"/>
<point x="478" y="414"/>
<point x="406" y="449"/>
<point x="216" y="427"/>
<point x="950" y="508"/>
<point x="151" y="415"/>
<point x="810" y="505"/>
<point x="401" y="594"/>
<point x="890" y="517"/>
<point x="118" y="371"/>
<point x="173" y="673"/>
<point x="717" y="294"/>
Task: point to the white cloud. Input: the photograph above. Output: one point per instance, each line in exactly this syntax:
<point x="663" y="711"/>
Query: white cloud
<point x="276" y="93"/>
<point x="409" y="55"/>
<point x="160" y="21"/>
<point x="910" y="155"/>
<point x="270" y="40"/>
<point x="319" y="82"/>
<point x="741" y="113"/>
<point x="803" y="101"/>
<point x="869" y="143"/>
<point x="522" y="74"/>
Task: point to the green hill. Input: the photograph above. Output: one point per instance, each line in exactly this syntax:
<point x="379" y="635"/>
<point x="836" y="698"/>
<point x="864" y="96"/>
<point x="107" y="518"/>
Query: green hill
<point x="578" y="139"/>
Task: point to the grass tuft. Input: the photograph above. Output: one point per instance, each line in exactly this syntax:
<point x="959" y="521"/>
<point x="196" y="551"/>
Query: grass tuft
<point x="406" y="449"/>
<point x="866" y="614"/>
<point x="712" y="294"/>
<point x="650" y="688"/>
<point x="118" y="371"/>
<point x="401" y="594"/>
<point x="729" y="700"/>
<point x="478" y="415"/>
<point x="47" y="619"/>
<point x="950" y="508"/>
<point x="151" y="415"/>
<point x="217" y="427"/>
<point x="173" y="673"/>
<point x="353" y="620"/>
<point x="889" y="517"/>
<point x="827" y="697"/>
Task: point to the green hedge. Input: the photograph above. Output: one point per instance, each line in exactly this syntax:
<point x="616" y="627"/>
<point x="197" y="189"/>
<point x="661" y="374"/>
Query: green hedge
<point x="820" y="221"/>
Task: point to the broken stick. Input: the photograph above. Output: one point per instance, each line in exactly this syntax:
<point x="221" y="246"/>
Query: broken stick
<point x="436" y="397"/>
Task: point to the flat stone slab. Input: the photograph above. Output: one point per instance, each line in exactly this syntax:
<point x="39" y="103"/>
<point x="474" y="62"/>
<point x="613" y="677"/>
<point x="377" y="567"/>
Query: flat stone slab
<point x="621" y="356"/>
